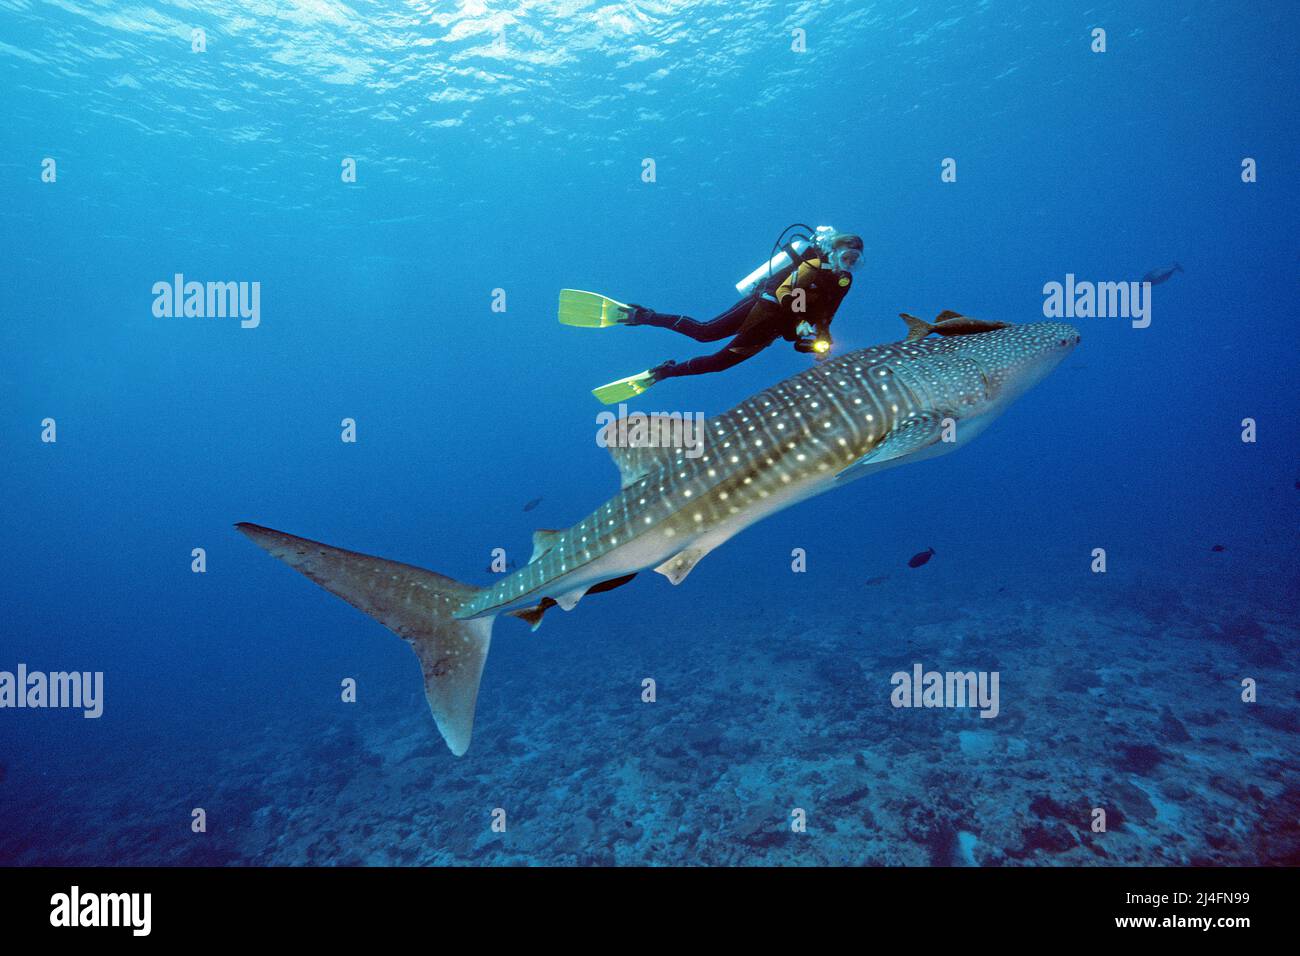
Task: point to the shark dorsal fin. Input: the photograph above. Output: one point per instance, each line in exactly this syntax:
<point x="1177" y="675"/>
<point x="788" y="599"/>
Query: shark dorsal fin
<point x="543" y="540"/>
<point x="947" y="314"/>
<point x="640" y="443"/>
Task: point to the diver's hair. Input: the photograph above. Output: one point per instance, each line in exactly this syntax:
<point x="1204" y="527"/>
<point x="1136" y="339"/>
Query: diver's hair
<point x="847" y="240"/>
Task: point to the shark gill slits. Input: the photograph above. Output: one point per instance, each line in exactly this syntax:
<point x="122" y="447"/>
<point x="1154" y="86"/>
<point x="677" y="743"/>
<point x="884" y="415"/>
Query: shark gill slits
<point x="916" y="560"/>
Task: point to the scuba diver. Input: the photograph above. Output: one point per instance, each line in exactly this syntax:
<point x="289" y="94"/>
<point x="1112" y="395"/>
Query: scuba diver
<point x="792" y="296"/>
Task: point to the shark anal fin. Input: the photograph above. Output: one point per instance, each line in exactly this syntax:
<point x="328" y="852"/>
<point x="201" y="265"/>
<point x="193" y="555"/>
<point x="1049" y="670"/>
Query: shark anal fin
<point x="570" y="601"/>
<point x="907" y="438"/>
<point x="681" y="564"/>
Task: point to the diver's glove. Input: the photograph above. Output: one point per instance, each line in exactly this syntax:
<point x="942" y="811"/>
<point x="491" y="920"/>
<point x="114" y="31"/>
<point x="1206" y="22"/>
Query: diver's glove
<point x="663" y="370"/>
<point x="812" y="341"/>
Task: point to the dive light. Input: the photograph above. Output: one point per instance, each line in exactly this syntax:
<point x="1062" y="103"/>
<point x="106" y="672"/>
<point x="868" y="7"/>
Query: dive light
<point x="816" y="344"/>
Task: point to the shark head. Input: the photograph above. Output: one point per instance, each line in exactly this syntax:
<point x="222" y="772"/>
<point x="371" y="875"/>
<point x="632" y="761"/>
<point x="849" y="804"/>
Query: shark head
<point x="1017" y="358"/>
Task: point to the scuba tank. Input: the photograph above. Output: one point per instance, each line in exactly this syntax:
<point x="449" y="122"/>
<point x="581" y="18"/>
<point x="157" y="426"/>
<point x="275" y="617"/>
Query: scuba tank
<point x="783" y="261"/>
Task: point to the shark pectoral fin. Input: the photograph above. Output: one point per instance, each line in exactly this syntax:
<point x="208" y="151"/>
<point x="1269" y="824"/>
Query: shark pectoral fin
<point x="681" y="564"/>
<point x="543" y="540"/>
<point x="533" y="615"/>
<point x="909" y="437"/>
<point x="416" y="605"/>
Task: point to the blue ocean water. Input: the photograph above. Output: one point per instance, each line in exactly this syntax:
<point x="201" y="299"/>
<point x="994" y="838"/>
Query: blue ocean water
<point x="503" y="147"/>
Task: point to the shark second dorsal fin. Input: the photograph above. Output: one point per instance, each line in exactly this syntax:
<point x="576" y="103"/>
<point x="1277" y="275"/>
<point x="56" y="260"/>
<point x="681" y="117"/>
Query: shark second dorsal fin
<point x="641" y="443"/>
<point x="543" y="540"/>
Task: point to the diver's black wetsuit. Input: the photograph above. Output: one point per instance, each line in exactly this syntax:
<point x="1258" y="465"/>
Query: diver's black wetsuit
<point x="753" y="337"/>
<point x="756" y="321"/>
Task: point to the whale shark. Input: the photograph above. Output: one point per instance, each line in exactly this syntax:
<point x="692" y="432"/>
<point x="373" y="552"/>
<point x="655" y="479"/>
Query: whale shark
<point x="841" y="420"/>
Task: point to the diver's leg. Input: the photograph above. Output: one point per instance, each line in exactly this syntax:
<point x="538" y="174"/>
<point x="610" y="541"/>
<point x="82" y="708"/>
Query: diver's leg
<point x="744" y="346"/>
<point x="714" y="330"/>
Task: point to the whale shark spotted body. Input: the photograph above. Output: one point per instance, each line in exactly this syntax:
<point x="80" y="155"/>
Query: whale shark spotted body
<point x="848" y="417"/>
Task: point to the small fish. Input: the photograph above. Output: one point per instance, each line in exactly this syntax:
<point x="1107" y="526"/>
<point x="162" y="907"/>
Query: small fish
<point x="1164" y="274"/>
<point x="1218" y="547"/>
<point x="916" y="560"/>
<point x="947" y="323"/>
<point x="532" y="504"/>
<point x="878" y="579"/>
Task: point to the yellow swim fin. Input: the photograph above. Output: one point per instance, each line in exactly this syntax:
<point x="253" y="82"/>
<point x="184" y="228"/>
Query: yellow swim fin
<point x="591" y="310"/>
<point x="624" y="388"/>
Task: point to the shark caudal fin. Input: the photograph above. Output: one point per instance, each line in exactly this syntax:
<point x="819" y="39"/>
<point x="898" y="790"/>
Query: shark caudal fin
<point x="414" y="604"/>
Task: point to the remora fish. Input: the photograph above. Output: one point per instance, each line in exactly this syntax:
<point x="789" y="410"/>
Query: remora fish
<point x="860" y="413"/>
<point x="947" y="323"/>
